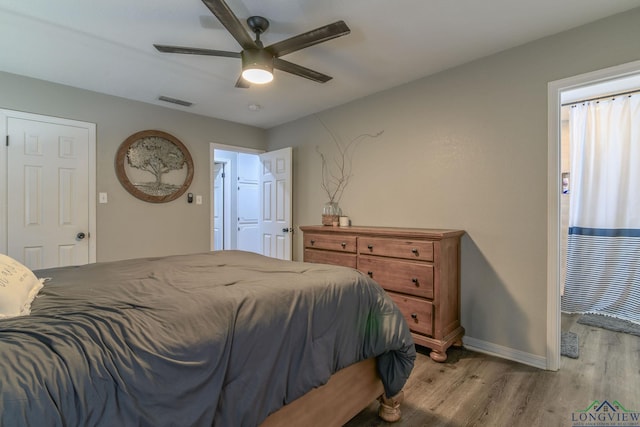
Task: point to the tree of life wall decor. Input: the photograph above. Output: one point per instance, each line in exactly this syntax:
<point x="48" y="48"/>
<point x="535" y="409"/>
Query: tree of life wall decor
<point x="154" y="166"/>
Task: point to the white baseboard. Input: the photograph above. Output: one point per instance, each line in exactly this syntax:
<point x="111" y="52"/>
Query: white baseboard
<point x="504" y="352"/>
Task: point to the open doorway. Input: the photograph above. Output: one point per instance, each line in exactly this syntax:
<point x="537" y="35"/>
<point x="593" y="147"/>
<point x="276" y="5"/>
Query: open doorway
<point x="235" y="200"/>
<point x="608" y="81"/>
<point x="598" y="96"/>
<point x="251" y="207"/>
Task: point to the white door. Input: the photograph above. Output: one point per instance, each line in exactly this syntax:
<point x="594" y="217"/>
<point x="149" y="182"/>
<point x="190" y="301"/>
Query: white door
<point x="275" y="217"/>
<point x="218" y="208"/>
<point x="248" y="203"/>
<point x="50" y="190"/>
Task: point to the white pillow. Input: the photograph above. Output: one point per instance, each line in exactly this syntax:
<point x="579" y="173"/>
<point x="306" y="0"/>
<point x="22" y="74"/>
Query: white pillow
<point x="18" y="287"/>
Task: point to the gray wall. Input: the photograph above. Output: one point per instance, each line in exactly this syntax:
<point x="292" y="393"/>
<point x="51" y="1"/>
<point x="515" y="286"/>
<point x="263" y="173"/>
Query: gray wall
<point x="128" y="227"/>
<point x="467" y="149"/>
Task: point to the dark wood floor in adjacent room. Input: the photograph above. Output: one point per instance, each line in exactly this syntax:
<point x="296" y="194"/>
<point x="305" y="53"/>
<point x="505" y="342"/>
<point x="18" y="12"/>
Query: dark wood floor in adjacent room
<point x="474" y="389"/>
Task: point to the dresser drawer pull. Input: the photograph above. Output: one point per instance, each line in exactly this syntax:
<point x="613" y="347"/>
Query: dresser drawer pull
<point x="370" y="273"/>
<point x="313" y="242"/>
<point x="414" y="316"/>
<point x="370" y="247"/>
<point x="415" y="281"/>
<point x="343" y="244"/>
<point x="415" y="251"/>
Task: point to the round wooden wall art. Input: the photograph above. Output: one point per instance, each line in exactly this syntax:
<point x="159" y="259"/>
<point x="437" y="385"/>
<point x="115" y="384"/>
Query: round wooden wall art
<point x="154" y="166"/>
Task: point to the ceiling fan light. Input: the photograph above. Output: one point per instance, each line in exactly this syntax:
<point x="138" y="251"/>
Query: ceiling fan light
<point x="257" y="75"/>
<point x="257" y="66"/>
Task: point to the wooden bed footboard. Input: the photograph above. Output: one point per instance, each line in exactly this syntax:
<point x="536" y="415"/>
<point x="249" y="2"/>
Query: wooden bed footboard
<point x="347" y="392"/>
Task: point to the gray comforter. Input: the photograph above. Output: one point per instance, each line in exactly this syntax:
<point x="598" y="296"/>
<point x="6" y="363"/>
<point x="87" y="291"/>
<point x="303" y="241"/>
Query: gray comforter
<point x="220" y="338"/>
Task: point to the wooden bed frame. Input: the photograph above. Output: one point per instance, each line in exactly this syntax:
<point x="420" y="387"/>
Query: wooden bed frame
<point x="347" y="392"/>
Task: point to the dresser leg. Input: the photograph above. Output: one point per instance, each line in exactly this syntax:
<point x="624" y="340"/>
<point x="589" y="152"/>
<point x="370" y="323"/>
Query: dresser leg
<point x="438" y="356"/>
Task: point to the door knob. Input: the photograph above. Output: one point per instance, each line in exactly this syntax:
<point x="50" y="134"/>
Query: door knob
<point x="80" y="235"/>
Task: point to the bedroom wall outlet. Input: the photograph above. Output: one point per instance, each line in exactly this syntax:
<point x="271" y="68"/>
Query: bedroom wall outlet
<point x="102" y="197"/>
<point x="198" y="199"/>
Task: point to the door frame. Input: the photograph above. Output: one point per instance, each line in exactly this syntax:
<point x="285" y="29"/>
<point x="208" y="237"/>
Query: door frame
<point x="226" y="208"/>
<point x="217" y="146"/>
<point x="554" y="190"/>
<point x="4" y="184"/>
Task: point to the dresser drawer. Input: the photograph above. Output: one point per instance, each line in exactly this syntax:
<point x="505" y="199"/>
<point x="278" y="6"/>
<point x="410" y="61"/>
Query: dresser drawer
<point x="397" y="248"/>
<point x="418" y="268"/>
<point x="330" y="242"/>
<point x="328" y="257"/>
<point x="413" y="278"/>
<point x="417" y="312"/>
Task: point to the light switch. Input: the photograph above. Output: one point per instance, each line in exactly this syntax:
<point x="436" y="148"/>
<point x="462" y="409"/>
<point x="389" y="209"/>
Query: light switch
<point x="102" y="197"/>
<point x="198" y="199"/>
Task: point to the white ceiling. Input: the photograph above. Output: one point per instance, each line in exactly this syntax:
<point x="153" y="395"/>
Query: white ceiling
<point x="107" y="47"/>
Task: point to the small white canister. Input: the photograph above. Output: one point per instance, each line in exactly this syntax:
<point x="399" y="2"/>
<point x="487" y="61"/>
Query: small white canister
<point x="344" y="221"/>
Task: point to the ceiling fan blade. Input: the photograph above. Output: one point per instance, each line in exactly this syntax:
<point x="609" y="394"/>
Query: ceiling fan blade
<point x="242" y="83"/>
<point x="299" y="70"/>
<point x="231" y="22"/>
<point x="196" y="51"/>
<point x="310" y="38"/>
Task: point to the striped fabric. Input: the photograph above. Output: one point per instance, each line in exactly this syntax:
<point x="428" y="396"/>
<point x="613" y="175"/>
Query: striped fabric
<point x="609" y="258"/>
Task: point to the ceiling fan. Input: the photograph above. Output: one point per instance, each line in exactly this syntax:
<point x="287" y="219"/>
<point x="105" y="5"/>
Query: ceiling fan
<point x="258" y="61"/>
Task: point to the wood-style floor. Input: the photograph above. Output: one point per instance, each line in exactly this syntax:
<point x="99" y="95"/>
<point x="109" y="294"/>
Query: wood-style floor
<point x="473" y="389"/>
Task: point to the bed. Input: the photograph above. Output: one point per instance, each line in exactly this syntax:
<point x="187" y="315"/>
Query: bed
<point x="225" y="338"/>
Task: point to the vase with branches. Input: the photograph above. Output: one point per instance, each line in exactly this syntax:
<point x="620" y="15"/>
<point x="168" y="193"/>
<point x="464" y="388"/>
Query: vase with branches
<point x="336" y="173"/>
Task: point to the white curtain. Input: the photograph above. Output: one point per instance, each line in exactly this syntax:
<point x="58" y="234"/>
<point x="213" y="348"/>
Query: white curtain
<point x="603" y="252"/>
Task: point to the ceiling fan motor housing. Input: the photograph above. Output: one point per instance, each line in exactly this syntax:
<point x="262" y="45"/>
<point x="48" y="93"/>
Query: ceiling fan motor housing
<point x="256" y="59"/>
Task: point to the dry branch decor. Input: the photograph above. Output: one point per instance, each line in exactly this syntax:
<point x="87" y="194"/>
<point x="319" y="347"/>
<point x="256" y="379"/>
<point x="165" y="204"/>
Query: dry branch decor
<point x="336" y="172"/>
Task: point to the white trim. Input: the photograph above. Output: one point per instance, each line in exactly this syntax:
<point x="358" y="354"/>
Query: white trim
<point x="504" y="352"/>
<point x="226" y="147"/>
<point x="211" y="209"/>
<point x="91" y="129"/>
<point x="227" y="198"/>
<point x="4" y="167"/>
<point x="93" y="236"/>
<point x="553" y="229"/>
<point x="554" y="95"/>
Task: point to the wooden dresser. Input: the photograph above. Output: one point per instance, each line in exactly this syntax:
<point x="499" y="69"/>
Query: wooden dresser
<point x="419" y="269"/>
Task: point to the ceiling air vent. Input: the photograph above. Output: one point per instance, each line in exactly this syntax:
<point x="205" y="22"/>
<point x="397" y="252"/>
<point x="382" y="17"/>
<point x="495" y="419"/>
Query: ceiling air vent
<point x="176" y="101"/>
